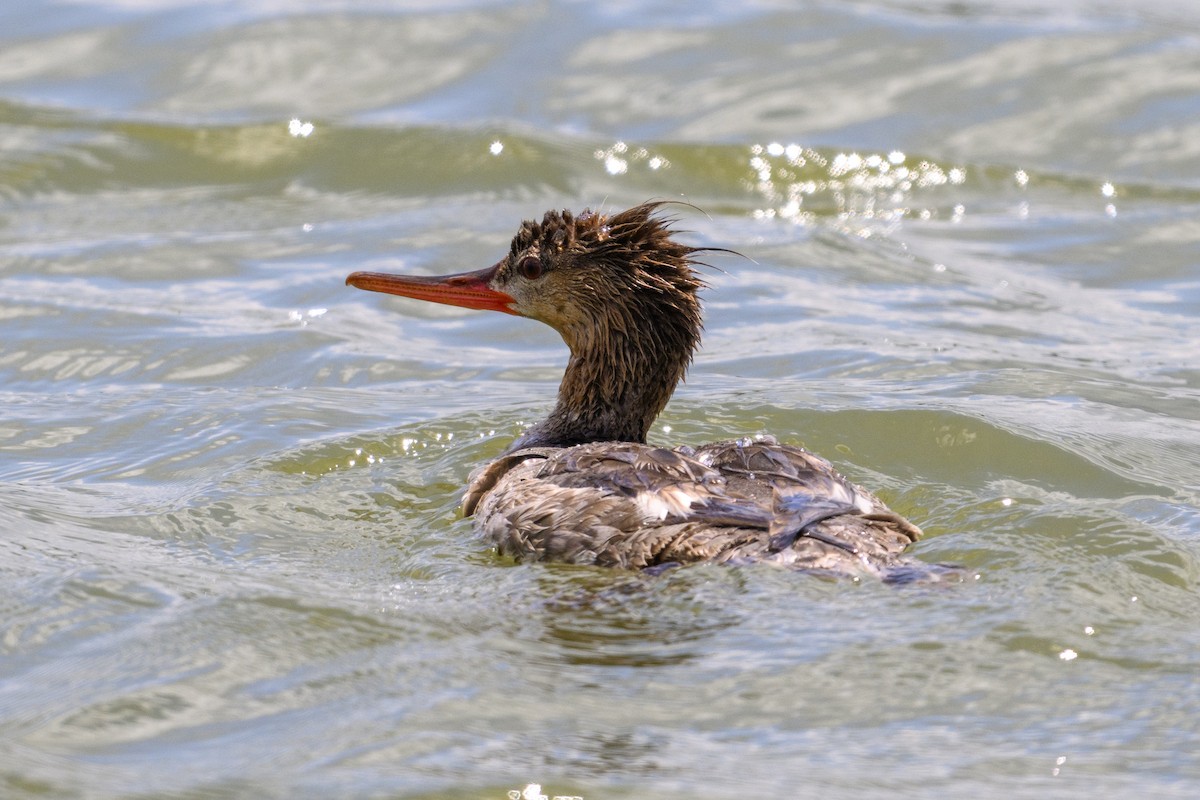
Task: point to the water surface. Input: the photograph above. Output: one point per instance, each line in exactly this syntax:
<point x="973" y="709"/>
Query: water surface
<point x="232" y="563"/>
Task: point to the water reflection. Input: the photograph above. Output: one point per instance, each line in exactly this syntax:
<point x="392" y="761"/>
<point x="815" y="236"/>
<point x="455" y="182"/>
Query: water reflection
<point x="640" y="621"/>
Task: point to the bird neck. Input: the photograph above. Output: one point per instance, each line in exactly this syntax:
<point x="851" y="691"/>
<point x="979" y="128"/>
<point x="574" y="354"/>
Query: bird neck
<point x="621" y="374"/>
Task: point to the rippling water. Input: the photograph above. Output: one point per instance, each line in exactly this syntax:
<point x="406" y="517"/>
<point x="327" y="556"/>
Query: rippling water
<point x="231" y="561"/>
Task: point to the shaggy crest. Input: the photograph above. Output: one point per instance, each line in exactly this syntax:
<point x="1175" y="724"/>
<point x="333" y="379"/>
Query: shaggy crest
<point x="636" y="237"/>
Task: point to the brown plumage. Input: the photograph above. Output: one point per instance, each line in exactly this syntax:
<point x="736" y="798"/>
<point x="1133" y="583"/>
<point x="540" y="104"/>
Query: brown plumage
<point x="582" y="486"/>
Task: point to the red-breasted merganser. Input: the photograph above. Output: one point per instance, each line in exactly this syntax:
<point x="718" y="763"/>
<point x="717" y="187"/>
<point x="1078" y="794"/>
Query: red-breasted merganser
<point x="582" y="486"/>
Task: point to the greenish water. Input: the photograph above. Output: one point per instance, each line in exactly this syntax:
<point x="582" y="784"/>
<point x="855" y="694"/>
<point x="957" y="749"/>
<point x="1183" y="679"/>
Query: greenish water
<point x="231" y="563"/>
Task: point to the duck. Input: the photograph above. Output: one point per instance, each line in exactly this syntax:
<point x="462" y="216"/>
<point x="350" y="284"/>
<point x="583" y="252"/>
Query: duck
<point x="583" y="486"/>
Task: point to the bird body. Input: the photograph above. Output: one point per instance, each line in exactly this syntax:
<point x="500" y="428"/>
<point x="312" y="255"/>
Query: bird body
<point x="583" y="486"/>
<point x="626" y="504"/>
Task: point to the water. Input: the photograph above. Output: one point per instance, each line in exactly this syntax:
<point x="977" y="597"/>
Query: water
<point x="232" y="563"/>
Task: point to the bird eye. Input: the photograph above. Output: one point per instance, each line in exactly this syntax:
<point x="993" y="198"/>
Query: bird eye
<point x="530" y="268"/>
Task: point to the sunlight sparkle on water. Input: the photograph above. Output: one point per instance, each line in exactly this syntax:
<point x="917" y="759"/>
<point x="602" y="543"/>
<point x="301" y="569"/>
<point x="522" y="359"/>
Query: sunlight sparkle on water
<point x="534" y="792"/>
<point x="618" y="158"/>
<point x="496" y="148"/>
<point x="614" y="164"/>
<point x="303" y="317"/>
<point x="870" y="187"/>
<point x="298" y="128"/>
<point x="1108" y="190"/>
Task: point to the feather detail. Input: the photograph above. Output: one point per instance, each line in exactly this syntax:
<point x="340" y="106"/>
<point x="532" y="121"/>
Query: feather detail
<point x="634" y="505"/>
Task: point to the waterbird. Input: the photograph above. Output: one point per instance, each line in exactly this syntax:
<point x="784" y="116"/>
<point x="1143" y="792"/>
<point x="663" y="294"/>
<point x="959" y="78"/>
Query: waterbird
<point x="583" y="486"/>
